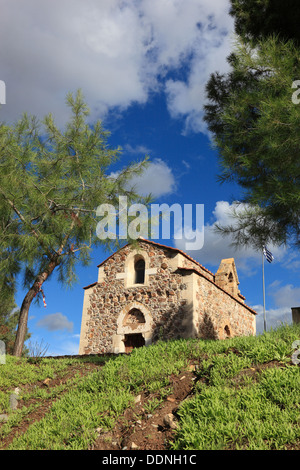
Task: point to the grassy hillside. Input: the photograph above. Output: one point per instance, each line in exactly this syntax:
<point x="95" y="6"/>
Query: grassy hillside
<point x="241" y="393"/>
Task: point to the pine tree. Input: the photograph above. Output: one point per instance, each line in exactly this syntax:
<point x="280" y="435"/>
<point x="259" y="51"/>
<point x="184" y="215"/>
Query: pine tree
<point x="255" y="123"/>
<point x="51" y="183"/>
<point x="256" y="20"/>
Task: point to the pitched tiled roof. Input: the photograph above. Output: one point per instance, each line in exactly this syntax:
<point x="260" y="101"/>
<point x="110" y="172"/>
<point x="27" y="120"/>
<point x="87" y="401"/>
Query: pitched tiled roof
<point x="90" y="285"/>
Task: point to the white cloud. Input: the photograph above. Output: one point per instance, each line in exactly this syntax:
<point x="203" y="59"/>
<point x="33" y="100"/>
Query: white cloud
<point x="292" y="260"/>
<point x="116" y="51"/>
<point x="140" y="150"/>
<point x="157" y="179"/>
<point x="217" y="247"/>
<point x="94" y="45"/>
<point x="285" y="294"/>
<point x="187" y="98"/>
<point x="55" y="322"/>
<point x="247" y="261"/>
<point x="275" y="317"/>
<point x="186" y="164"/>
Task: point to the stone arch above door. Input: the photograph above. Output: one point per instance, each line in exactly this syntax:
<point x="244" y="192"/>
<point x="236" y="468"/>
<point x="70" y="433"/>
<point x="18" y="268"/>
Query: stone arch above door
<point x="134" y="318"/>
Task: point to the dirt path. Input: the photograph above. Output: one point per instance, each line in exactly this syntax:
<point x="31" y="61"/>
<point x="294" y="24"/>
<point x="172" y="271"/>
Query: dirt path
<point x="42" y="406"/>
<point x="137" y="428"/>
<point x="140" y="430"/>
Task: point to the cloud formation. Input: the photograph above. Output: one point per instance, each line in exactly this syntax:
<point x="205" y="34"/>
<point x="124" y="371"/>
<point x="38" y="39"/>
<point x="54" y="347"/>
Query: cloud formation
<point x="55" y="322"/>
<point x="118" y="52"/>
<point x="216" y="247"/>
<point x="157" y="179"/>
<point x="285" y="297"/>
<point x="275" y="317"/>
<point x="283" y="294"/>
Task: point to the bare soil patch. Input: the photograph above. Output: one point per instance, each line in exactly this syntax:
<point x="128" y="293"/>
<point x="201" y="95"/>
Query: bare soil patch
<point x="137" y="428"/>
<point x="140" y="430"/>
<point x="42" y="406"/>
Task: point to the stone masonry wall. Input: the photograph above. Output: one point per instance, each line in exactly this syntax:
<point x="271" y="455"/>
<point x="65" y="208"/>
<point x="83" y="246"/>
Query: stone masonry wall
<point x="164" y="297"/>
<point x="219" y="315"/>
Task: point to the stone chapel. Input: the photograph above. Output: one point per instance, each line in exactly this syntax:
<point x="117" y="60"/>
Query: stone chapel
<point x="152" y="291"/>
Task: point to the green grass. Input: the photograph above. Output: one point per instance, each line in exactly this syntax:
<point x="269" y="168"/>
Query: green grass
<point x="264" y="415"/>
<point x="238" y="403"/>
<point x="234" y="408"/>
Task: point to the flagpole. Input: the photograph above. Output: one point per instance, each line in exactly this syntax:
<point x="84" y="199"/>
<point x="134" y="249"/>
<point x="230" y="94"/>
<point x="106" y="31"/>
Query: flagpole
<point x="264" y="297"/>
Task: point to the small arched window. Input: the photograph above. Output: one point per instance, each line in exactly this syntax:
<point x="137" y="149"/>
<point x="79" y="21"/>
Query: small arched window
<point x="139" y="271"/>
<point x="227" y="331"/>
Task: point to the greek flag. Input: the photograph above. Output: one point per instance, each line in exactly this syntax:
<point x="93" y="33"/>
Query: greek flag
<point x="268" y="255"/>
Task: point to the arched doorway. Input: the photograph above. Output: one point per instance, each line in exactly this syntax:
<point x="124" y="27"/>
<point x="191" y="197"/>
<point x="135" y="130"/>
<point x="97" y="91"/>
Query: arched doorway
<point x="134" y="328"/>
<point x="133" y="340"/>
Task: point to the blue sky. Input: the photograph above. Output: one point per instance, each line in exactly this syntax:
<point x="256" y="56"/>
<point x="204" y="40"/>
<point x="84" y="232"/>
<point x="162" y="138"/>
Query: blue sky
<point x="142" y="66"/>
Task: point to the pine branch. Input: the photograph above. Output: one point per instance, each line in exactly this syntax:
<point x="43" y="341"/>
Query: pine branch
<point x="22" y="219"/>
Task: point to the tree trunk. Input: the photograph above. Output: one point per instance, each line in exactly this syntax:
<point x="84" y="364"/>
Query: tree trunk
<point x="22" y="326"/>
<point x="23" y="318"/>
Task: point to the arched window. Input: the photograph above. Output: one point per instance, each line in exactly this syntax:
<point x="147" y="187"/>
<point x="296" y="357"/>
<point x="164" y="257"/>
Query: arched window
<point x="136" y="269"/>
<point x="139" y="271"/>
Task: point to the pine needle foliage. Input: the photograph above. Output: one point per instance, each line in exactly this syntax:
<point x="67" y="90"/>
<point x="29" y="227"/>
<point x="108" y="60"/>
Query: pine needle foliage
<point x="51" y="183"/>
<point x="255" y="122"/>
